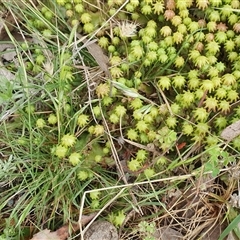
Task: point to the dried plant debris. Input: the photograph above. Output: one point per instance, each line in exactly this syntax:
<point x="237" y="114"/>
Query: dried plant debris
<point x="195" y="213"/>
<point x="97" y="53"/>
<point x="46" y="234"/>
<point x="63" y="232"/>
<point x="235" y="200"/>
<point x="210" y="232"/>
<point x="6" y="21"/>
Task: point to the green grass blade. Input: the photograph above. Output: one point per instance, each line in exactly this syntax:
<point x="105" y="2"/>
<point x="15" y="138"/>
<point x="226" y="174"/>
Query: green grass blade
<point x="230" y="227"/>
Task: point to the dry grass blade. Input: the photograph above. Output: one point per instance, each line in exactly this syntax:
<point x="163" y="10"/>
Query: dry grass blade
<point x="97" y="53"/>
<point x="196" y="212"/>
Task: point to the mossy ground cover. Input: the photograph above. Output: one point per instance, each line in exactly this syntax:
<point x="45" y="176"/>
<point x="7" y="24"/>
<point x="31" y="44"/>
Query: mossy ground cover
<point x="119" y="107"/>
